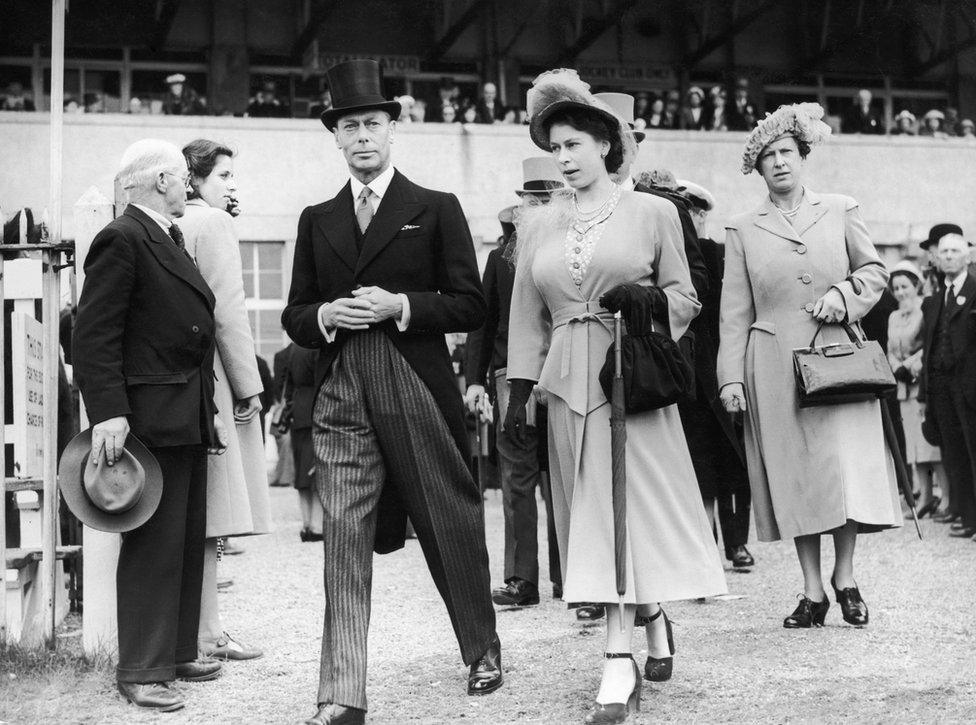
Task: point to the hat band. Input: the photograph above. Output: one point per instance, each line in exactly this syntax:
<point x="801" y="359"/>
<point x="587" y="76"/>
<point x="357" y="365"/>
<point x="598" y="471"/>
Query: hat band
<point x="353" y="102"/>
<point x="541" y="185"/>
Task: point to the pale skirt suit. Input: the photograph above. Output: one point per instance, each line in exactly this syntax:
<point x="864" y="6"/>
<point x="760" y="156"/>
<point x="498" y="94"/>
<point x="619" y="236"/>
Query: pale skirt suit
<point x="237" y="480"/>
<point x="905" y="349"/>
<point x="811" y="470"/>
<point x="670" y="550"/>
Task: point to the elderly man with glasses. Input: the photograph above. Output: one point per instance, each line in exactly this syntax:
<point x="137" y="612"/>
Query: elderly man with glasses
<point x="144" y="353"/>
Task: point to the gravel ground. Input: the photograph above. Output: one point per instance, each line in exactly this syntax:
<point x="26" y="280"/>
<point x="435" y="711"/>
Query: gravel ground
<point x="735" y="662"/>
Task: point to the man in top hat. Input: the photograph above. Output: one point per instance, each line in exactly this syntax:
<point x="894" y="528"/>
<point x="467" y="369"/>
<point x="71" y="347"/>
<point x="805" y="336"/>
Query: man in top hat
<point x="714" y="439"/>
<point x="382" y="272"/>
<point x="948" y="378"/>
<point x="143" y="349"/>
<point x="519" y="465"/>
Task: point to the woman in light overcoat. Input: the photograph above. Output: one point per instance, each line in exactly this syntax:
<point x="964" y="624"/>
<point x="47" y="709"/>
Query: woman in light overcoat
<point x="572" y="256"/>
<point x="799" y="259"/>
<point x="237" y="484"/>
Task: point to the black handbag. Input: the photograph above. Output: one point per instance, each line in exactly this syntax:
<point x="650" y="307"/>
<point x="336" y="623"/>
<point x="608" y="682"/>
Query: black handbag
<point x="841" y="372"/>
<point x="281" y="411"/>
<point x="656" y="372"/>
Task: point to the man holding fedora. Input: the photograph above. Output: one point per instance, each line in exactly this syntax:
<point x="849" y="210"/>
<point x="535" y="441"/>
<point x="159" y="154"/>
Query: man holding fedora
<point x="143" y="358"/>
<point x="382" y="272"/>
<point x="948" y="379"/>
<point x="519" y="464"/>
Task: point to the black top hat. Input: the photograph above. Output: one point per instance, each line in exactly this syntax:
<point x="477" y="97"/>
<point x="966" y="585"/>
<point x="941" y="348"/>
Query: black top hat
<point x="356" y="86"/>
<point x="937" y="232"/>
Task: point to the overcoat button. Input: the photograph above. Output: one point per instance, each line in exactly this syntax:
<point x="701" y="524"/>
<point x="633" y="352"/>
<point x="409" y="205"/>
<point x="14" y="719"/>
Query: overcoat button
<point x="807" y="279"/>
<point x="802" y="249"/>
<point x="196" y="329"/>
<point x="575" y="265"/>
<point x="808" y="307"/>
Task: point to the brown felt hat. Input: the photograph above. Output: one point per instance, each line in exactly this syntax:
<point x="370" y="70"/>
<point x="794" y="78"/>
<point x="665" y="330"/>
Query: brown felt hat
<point x="115" y="498"/>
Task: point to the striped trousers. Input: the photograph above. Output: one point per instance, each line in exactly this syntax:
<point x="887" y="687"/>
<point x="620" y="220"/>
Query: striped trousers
<point x="375" y="424"/>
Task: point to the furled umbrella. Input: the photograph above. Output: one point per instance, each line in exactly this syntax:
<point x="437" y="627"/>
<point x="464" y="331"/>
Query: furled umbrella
<point x="618" y="457"/>
<point x="901" y="472"/>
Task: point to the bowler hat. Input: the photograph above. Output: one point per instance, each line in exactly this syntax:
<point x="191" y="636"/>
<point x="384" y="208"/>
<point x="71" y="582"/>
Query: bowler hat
<point x="937" y="232"/>
<point x="623" y="105"/>
<point x="540" y="175"/>
<point x="356" y="86"/>
<point x="115" y="498"/>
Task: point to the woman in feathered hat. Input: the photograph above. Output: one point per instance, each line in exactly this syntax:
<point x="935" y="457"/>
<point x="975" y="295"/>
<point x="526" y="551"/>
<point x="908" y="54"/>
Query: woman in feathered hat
<point x="798" y="260"/>
<point x="576" y="259"/>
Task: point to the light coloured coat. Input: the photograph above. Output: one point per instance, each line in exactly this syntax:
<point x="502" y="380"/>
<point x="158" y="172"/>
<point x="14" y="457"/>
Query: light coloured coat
<point x="813" y="469"/>
<point x="670" y="551"/>
<point x="237" y="483"/>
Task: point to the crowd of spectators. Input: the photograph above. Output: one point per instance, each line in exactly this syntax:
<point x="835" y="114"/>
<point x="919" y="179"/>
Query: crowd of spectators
<point x="697" y="109"/>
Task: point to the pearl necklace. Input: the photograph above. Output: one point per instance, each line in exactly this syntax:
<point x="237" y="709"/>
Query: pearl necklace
<point x="582" y="236"/>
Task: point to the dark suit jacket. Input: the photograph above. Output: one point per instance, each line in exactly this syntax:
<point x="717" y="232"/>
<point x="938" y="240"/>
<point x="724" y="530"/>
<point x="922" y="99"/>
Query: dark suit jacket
<point x="487" y="347"/>
<point x="431" y="261"/>
<point x="857" y="122"/>
<point x="962" y="333"/>
<point x="144" y="335"/>
<point x="696" y="263"/>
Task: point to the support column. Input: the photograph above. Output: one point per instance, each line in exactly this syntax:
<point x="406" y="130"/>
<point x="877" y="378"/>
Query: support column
<point x="230" y="66"/>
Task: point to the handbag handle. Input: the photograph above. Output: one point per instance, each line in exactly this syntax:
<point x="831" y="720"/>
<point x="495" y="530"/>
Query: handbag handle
<point x="847" y="328"/>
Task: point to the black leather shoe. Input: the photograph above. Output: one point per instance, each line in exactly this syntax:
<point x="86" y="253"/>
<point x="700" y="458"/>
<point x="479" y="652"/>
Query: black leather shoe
<point x="853" y="608"/>
<point x="517" y="592"/>
<point x="613" y="713"/>
<point x="198" y="670"/>
<point x="807" y="614"/>
<point x="485" y="675"/>
<point x="739" y="556"/>
<point x="928" y="509"/>
<point x="946" y="518"/>
<point x="658" y="669"/>
<point x="331" y="714"/>
<point x="588" y="612"/>
<point x="159" y="696"/>
<point x="966" y="532"/>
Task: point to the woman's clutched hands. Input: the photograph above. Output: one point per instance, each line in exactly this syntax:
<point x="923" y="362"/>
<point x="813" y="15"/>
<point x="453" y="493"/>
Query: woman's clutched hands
<point x="831" y="307"/>
<point x="733" y="397"/>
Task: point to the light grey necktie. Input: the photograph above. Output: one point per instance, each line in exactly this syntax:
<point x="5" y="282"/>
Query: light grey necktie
<point x="364" y="210"/>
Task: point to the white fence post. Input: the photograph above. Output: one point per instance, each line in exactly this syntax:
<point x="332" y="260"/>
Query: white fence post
<point x="100" y="550"/>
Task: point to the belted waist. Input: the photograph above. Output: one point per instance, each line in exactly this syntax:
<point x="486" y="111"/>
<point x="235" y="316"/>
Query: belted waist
<point x="578" y="313"/>
<point x="582" y="312"/>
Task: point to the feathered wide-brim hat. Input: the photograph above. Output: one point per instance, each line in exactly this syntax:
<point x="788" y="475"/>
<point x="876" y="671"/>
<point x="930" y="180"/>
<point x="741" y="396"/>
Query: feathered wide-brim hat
<point x="560" y="89"/>
<point x="800" y="120"/>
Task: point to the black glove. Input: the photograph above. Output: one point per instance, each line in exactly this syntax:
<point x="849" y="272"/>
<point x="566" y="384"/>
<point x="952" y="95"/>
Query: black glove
<point x="518" y="395"/>
<point x="639" y="305"/>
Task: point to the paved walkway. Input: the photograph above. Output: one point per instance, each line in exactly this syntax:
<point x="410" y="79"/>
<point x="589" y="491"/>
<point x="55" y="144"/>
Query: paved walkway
<point x="735" y="663"/>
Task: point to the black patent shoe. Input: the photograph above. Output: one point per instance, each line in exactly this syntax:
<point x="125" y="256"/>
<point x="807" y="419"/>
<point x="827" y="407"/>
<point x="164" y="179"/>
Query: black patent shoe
<point x="517" y="592"/>
<point x="853" y="608"/>
<point x="485" y="675"/>
<point x="611" y="713"/>
<point x="807" y="614"/>
<point x="658" y="669"/>
<point x="740" y="557"/>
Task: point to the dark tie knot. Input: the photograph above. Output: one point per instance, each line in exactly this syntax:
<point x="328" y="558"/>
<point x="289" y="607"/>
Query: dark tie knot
<point x="176" y="234"/>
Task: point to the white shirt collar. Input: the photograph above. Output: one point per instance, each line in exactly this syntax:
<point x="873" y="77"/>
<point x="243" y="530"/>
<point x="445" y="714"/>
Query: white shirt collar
<point x="957" y="282"/>
<point x="155" y="216"/>
<point x="378" y="186"/>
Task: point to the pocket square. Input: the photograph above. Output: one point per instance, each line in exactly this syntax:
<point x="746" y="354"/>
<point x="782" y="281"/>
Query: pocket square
<point x="408" y="227"/>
